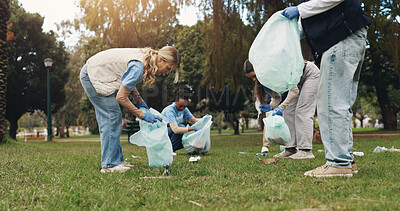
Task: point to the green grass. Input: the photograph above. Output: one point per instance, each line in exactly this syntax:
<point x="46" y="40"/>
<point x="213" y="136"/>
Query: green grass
<point x="373" y="130"/>
<point x="67" y="176"/>
<point x="231" y="131"/>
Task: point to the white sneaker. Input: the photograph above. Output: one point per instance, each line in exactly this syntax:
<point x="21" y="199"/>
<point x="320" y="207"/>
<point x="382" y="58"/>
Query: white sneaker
<point x="173" y="153"/>
<point x="284" y="154"/>
<point x="301" y="154"/>
<point x="126" y="164"/>
<point x="118" y="168"/>
<point x="264" y="150"/>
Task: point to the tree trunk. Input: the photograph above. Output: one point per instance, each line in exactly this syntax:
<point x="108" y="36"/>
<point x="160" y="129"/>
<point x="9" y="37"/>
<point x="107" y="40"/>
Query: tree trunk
<point x="235" y="125"/>
<point x="388" y="113"/>
<point x="13" y="127"/>
<point x="67" y="131"/>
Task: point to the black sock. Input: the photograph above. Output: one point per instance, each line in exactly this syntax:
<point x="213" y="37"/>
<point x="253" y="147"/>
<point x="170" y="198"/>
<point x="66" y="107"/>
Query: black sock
<point x="291" y="149"/>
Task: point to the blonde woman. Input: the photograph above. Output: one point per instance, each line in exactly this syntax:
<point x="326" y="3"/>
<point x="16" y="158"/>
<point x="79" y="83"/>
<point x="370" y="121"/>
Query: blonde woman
<point x="108" y="78"/>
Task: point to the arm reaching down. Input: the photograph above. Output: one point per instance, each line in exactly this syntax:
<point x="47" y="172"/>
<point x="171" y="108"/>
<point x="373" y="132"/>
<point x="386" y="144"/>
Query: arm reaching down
<point x="179" y="130"/>
<point x="293" y="93"/>
<point x="122" y="98"/>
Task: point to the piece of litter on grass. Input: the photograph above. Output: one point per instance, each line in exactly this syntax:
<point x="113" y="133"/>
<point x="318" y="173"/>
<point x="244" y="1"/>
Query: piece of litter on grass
<point x="320" y="150"/>
<point x="269" y="160"/>
<point x="394" y="149"/>
<point x="173" y="153"/>
<point x="242" y="153"/>
<point x="380" y="149"/>
<point x="195" y="203"/>
<point x="194" y="159"/>
<point x="160" y="177"/>
<point x="133" y="156"/>
<point x="166" y="171"/>
<point x="358" y="153"/>
<point x="175" y="197"/>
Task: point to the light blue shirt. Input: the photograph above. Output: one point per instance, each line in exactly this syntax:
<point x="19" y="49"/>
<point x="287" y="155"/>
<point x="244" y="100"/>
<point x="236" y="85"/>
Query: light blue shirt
<point x="133" y="74"/>
<point x="172" y="114"/>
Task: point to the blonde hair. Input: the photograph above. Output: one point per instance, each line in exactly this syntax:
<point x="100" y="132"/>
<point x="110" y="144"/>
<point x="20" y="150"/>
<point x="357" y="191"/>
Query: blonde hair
<point x="168" y="54"/>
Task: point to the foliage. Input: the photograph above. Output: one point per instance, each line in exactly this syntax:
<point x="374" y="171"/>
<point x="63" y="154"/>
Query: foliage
<point x="26" y="71"/>
<point x="381" y="68"/>
<point x="227" y="41"/>
<point x="66" y="176"/>
<point x="33" y="119"/>
<point x="135" y="23"/>
<point x="4" y="15"/>
<point x="366" y="104"/>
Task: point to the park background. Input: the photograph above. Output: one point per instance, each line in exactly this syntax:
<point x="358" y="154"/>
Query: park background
<point x="64" y="173"/>
<point x="212" y="53"/>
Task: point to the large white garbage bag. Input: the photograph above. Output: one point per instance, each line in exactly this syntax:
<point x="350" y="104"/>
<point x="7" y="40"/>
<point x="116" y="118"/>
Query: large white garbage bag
<point x="276" y="129"/>
<point x="156" y="140"/>
<point x="276" y="54"/>
<point x="198" y="142"/>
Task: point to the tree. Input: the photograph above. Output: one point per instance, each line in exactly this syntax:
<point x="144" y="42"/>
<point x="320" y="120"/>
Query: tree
<point x="226" y="44"/>
<point x="4" y="15"/>
<point x="381" y="68"/>
<point x="26" y="72"/>
<point x="190" y="43"/>
<point x="133" y="23"/>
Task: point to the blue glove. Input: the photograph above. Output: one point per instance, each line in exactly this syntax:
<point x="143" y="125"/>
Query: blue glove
<point x="291" y="12"/>
<point x="151" y="118"/>
<point x="196" y="129"/>
<point x="142" y="105"/>
<point x="277" y="111"/>
<point x="265" y="107"/>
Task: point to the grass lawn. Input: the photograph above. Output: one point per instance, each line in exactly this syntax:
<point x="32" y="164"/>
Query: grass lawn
<point x="52" y="176"/>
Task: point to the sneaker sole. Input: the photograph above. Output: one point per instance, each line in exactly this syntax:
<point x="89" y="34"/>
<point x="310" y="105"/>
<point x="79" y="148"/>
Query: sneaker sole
<point x="302" y="158"/>
<point x="330" y="175"/>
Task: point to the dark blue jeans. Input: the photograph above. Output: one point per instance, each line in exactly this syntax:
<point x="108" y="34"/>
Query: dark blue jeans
<point x="176" y="139"/>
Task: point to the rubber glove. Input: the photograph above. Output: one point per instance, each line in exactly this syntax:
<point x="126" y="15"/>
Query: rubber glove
<point x="277" y="111"/>
<point x="291" y="12"/>
<point x="151" y="118"/>
<point x="142" y="105"/>
<point x="265" y="107"/>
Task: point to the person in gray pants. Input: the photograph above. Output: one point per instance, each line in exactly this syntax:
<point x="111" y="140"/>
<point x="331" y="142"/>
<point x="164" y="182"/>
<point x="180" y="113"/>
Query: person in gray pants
<point x="297" y="109"/>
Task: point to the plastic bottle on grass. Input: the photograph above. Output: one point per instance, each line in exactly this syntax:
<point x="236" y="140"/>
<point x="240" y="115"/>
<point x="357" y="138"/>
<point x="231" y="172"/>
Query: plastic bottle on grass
<point x="262" y="155"/>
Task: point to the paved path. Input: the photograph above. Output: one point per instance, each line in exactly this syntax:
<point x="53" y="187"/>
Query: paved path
<point x="125" y="138"/>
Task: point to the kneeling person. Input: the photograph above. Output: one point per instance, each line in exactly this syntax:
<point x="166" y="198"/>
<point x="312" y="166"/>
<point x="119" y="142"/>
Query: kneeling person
<point x="175" y="114"/>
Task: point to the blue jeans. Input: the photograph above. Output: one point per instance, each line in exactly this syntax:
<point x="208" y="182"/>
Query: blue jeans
<point x="109" y="119"/>
<point x="339" y="76"/>
<point x="176" y="139"/>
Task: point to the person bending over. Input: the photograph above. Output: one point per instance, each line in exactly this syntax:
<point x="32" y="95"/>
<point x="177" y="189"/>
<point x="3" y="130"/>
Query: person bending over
<point x="175" y="114"/>
<point x="297" y="109"/>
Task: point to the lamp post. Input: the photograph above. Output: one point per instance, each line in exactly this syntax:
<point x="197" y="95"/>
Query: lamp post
<point x="48" y="63"/>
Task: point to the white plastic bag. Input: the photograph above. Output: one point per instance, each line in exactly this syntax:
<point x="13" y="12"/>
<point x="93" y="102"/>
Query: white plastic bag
<point x="198" y="142"/>
<point x="276" y="54"/>
<point x="276" y="129"/>
<point x="156" y="140"/>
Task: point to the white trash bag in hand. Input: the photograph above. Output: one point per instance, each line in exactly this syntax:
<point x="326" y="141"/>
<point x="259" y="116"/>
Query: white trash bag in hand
<point x="154" y="136"/>
<point x="198" y="142"/>
<point x="276" y="54"/>
<point x="276" y="129"/>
